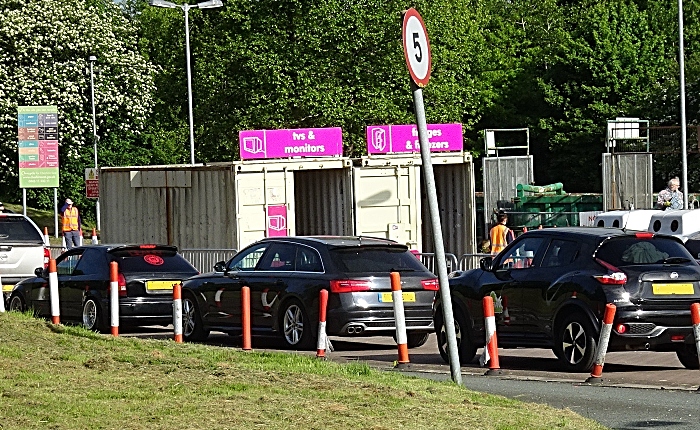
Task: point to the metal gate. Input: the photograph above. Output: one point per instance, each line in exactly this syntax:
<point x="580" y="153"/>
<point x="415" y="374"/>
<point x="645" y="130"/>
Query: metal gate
<point x="627" y="181"/>
<point x="501" y="177"/>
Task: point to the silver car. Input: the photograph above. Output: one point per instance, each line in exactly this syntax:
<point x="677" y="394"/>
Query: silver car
<point x="22" y="250"/>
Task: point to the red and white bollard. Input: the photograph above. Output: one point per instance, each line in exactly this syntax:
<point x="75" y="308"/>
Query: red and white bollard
<point x="2" y="297"/>
<point x="53" y="293"/>
<point x="245" y="318"/>
<point x="602" y="348"/>
<point x="322" y="339"/>
<point x="114" y="297"/>
<point x="400" y="317"/>
<point x="490" y="353"/>
<point x="46" y="237"/>
<point x="94" y="236"/>
<point x="695" y="318"/>
<point x="177" y="312"/>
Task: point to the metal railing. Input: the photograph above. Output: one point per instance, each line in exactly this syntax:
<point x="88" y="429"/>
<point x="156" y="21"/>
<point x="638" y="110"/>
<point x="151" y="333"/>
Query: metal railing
<point x="428" y="260"/>
<point x="470" y="261"/>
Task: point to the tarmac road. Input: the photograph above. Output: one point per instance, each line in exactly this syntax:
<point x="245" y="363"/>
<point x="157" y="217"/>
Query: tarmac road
<point x="639" y="390"/>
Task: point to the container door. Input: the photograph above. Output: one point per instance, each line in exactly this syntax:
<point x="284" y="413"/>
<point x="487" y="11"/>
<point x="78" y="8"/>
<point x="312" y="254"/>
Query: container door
<point x="387" y="203"/>
<point x="264" y="205"/>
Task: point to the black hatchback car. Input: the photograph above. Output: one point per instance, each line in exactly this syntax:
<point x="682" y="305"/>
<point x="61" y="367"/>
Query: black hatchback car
<point x="285" y="276"/>
<point x="550" y="289"/>
<point x="146" y="277"/>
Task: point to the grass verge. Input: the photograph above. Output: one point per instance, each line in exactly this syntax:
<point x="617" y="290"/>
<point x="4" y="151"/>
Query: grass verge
<point x="63" y="377"/>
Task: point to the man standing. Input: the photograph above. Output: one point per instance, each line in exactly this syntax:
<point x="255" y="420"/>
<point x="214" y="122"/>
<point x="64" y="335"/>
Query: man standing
<point x="500" y="235"/>
<point x="671" y="197"/>
<point x="71" y="224"/>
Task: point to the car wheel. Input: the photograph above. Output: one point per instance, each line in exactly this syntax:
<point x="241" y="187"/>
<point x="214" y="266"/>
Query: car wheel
<point x="92" y="316"/>
<point x="415" y="340"/>
<point x="17" y="304"/>
<point x="575" y="343"/>
<point x="688" y="356"/>
<point x="297" y="330"/>
<point x="192" y="326"/>
<point x="463" y="332"/>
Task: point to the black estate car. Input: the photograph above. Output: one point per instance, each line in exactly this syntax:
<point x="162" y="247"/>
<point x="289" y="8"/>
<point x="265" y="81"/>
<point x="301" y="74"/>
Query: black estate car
<point x="550" y="289"/>
<point x="285" y="276"/>
<point x="146" y="277"/>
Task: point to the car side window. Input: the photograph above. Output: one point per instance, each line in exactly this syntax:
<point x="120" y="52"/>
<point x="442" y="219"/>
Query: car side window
<point x="308" y="260"/>
<point x="246" y="260"/>
<point x="522" y="256"/>
<point x="67" y="264"/>
<point x="560" y="253"/>
<point x="93" y="262"/>
<point x="280" y="257"/>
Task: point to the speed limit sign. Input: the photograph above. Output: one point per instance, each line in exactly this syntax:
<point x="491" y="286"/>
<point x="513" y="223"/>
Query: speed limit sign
<point x="416" y="47"/>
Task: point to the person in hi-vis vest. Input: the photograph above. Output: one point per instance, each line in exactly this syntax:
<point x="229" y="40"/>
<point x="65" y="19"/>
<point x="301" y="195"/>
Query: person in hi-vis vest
<point x="500" y="235"/>
<point x="71" y="224"/>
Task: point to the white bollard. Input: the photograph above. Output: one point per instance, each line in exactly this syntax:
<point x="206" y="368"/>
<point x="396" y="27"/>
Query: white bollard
<point x="94" y="236"/>
<point x="400" y="317"/>
<point x="53" y="293"/>
<point x="114" y="297"/>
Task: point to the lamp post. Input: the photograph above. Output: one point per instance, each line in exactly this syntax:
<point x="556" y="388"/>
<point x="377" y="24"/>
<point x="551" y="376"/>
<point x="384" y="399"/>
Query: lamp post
<point x="681" y="65"/>
<point x="210" y="4"/>
<point x="94" y="129"/>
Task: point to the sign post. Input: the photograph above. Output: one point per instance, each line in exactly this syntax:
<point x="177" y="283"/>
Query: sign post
<point x="416" y="48"/>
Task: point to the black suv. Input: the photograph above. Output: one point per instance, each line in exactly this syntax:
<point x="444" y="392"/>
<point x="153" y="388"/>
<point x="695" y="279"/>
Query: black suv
<point x="550" y="288"/>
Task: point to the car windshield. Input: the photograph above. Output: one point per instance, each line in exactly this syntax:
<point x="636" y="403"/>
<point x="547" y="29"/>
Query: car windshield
<point x="383" y="259"/>
<point x="629" y="251"/>
<point x="18" y="229"/>
<point x="152" y="260"/>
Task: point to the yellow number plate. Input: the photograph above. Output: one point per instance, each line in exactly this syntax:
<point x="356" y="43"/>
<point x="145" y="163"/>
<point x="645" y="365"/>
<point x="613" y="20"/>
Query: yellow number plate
<point x="388" y="297"/>
<point x="161" y="285"/>
<point x="672" y="289"/>
<point x="7" y="288"/>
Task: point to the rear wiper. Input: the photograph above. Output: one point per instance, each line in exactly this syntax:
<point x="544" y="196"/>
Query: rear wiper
<point x="676" y="260"/>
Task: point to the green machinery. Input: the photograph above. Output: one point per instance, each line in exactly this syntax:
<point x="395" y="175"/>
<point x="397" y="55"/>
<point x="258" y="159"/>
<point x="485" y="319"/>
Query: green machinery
<point x="550" y="206"/>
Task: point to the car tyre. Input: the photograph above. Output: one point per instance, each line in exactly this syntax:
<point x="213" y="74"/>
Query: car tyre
<point x="17" y="304"/>
<point x="575" y="343"/>
<point x="296" y="328"/>
<point x="192" y="326"/>
<point x="688" y="356"/>
<point x="464" y="333"/>
<point x="415" y="340"/>
<point x="92" y="316"/>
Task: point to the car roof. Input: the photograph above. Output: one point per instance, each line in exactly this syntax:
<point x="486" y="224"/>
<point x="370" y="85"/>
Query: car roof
<point x="336" y="240"/>
<point x="588" y="232"/>
<point x="112" y="246"/>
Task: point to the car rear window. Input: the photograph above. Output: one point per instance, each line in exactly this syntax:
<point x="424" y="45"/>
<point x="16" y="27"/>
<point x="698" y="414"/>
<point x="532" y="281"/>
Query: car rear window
<point x="633" y="250"/>
<point x="375" y="259"/>
<point x="18" y="229"/>
<point x="152" y="260"/>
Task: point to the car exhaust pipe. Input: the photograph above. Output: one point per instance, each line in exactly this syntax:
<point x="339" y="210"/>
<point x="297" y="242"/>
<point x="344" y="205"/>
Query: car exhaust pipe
<point x="355" y="329"/>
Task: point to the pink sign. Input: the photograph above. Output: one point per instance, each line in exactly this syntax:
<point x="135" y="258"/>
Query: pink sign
<point x="390" y="139"/>
<point x="276" y="220"/>
<point x="303" y="142"/>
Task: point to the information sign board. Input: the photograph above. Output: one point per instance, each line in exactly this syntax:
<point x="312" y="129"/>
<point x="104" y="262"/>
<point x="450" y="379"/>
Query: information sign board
<point x="37" y="135"/>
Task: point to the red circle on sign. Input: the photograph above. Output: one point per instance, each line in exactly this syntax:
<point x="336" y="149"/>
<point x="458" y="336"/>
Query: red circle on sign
<point x="153" y="260"/>
<point x="418" y="65"/>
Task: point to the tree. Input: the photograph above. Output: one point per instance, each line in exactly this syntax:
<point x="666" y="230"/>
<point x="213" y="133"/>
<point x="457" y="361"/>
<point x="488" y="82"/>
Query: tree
<point x="44" y="51"/>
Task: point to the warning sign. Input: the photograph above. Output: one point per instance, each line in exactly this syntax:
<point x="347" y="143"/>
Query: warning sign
<point x="92" y="183"/>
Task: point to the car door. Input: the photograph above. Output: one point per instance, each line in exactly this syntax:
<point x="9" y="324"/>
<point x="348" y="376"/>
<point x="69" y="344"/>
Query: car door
<point x="505" y="284"/>
<point x="269" y="281"/>
<point x="223" y="293"/>
<point x="546" y="282"/>
<point x="70" y="289"/>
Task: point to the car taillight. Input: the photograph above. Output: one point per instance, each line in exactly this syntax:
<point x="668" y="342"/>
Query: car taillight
<point x="47" y="257"/>
<point x="615" y="278"/>
<point x="121" y="283"/>
<point x="644" y="235"/>
<point x="430" y="284"/>
<point x="148" y="246"/>
<point x="349" y="286"/>
<point x="621" y="328"/>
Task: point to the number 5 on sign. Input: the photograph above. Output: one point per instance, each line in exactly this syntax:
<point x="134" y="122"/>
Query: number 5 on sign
<point x="416" y="47"/>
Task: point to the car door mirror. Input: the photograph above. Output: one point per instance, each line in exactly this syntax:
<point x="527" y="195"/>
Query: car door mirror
<point x="220" y="266"/>
<point x="39" y="272"/>
<point x="486" y="264"/>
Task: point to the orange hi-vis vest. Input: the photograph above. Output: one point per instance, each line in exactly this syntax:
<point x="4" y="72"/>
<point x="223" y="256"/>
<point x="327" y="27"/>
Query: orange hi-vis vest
<point x="70" y="219"/>
<point x="498" y="238"/>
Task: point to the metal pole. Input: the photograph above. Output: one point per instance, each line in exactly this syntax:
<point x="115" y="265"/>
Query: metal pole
<point x="681" y="63"/>
<point x="186" y="8"/>
<point x="429" y="179"/>
<point x="94" y="131"/>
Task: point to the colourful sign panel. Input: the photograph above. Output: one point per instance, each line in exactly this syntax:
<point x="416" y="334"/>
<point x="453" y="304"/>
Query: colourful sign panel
<point x="37" y="135"/>
<point x="391" y="139"/>
<point x="276" y="220"/>
<point x="303" y="142"/>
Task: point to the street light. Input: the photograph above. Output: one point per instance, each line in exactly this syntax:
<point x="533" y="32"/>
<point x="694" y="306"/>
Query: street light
<point x="681" y="65"/>
<point x="210" y="4"/>
<point x="94" y="129"/>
